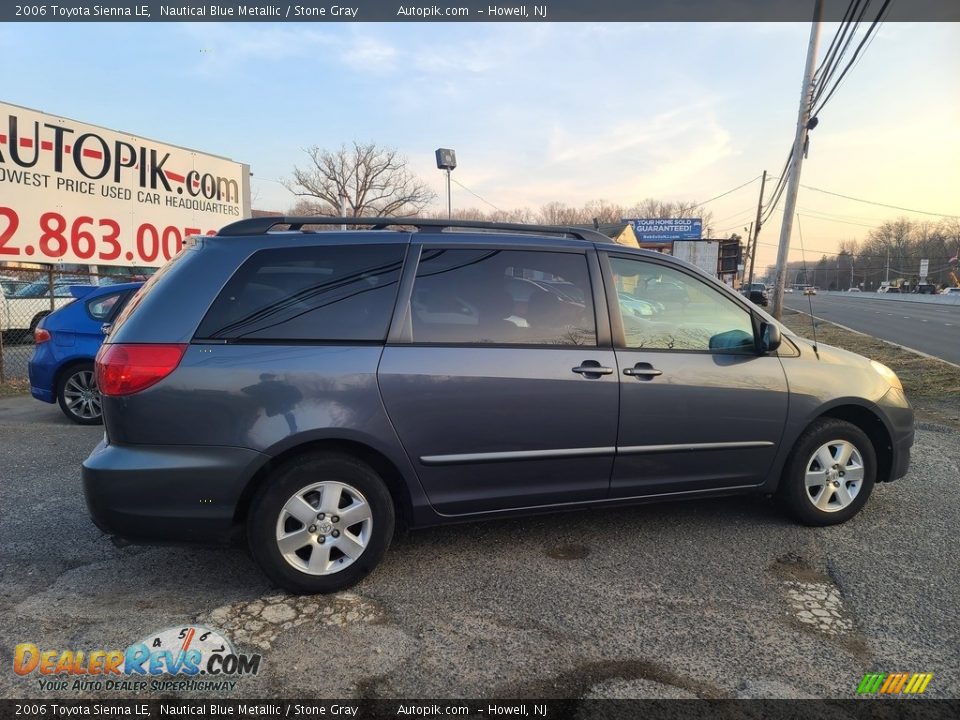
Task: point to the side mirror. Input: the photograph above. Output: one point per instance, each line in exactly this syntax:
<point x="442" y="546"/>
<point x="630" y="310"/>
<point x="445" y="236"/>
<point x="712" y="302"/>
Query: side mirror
<point x="770" y="337"/>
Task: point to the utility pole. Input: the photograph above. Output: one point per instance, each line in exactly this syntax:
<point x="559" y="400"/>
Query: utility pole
<point x="887" y="278"/>
<point x="749" y="255"/>
<point x="799" y="142"/>
<point x="756" y="225"/>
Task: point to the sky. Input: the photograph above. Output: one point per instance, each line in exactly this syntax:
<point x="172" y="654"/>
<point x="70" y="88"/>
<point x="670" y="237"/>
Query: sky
<point x="536" y="112"/>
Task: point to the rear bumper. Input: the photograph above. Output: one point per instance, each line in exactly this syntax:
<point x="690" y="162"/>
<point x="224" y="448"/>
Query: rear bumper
<point x="170" y="493"/>
<point x="41" y="372"/>
<point x="44" y="394"/>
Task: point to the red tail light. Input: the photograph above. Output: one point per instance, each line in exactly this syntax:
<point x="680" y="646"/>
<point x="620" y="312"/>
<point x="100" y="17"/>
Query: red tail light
<point x="127" y="369"/>
<point x="41" y="336"/>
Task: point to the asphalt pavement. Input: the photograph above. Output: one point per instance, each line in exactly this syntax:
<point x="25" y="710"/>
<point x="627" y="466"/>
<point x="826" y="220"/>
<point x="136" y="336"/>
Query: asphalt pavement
<point x="721" y="598"/>
<point x="927" y="327"/>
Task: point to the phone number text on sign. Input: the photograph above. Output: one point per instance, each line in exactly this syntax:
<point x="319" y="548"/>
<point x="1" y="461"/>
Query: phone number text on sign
<point x="88" y="238"/>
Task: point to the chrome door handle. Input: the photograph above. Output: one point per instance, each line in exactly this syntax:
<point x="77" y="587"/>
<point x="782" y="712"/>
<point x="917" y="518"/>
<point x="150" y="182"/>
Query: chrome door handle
<point x="592" y="370"/>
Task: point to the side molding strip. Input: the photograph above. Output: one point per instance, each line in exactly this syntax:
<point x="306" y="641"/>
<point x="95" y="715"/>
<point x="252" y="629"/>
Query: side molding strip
<point x="584" y="452"/>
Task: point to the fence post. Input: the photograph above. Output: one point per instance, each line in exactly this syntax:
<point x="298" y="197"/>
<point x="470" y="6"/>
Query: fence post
<point x="3" y="370"/>
<point x="50" y="285"/>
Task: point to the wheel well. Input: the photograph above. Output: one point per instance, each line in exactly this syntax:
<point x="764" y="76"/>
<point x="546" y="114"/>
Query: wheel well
<point x="62" y="370"/>
<point x="38" y="317"/>
<point x="387" y="471"/>
<point x="875" y="430"/>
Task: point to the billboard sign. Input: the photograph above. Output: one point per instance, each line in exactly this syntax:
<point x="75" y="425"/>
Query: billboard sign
<point x="666" y="230"/>
<point x="77" y="193"/>
<point x="924" y="268"/>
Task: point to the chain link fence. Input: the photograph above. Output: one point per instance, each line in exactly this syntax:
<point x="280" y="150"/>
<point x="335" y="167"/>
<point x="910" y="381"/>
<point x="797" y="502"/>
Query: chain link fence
<point x="27" y="296"/>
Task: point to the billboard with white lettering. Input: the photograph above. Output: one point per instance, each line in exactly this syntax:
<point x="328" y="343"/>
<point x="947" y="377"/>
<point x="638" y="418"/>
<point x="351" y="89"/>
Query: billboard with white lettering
<point x="666" y="230"/>
<point x="77" y="193"/>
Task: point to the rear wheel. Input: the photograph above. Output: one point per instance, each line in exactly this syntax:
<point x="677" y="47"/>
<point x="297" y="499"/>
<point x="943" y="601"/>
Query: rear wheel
<point x="321" y="523"/>
<point x="829" y="474"/>
<point x="78" y="395"/>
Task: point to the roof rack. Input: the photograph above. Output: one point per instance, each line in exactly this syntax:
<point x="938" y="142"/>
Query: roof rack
<point x="262" y="225"/>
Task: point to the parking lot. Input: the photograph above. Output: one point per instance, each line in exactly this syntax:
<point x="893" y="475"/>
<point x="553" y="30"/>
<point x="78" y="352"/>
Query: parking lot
<point x="721" y="598"/>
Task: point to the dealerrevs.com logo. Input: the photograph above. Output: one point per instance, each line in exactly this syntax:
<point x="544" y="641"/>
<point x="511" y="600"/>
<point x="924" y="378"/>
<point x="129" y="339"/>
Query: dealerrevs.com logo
<point x="175" y="659"/>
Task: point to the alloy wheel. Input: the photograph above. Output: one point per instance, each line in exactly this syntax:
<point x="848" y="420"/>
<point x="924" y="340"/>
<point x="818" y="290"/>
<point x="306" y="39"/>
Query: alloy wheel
<point x="324" y="528"/>
<point x="834" y="475"/>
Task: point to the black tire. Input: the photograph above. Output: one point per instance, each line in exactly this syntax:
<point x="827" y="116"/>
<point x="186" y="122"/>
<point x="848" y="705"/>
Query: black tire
<point x="799" y="500"/>
<point x="290" y="479"/>
<point x="70" y="381"/>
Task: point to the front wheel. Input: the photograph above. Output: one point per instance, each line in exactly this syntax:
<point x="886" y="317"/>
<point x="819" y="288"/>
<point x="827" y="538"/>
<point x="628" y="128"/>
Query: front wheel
<point x="78" y="395"/>
<point x="830" y="473"/>
<point x="321" y="523"/>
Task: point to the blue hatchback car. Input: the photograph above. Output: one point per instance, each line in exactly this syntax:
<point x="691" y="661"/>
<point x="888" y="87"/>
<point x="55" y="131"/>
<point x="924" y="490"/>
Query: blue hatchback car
<point x="67" y="341"/>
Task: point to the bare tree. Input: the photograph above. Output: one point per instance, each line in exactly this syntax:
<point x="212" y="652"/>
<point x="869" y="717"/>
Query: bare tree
<point x="374" y="180"/>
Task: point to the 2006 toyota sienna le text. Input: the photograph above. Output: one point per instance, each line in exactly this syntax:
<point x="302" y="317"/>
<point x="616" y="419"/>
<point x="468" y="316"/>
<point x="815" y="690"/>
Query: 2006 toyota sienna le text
<point x="310" y="390"/>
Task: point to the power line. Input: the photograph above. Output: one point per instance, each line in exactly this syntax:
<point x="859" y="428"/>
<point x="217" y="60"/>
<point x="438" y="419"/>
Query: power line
<point x="834" y="44"/>
<point x="778" y="189"/>
<point x="839" y="45"/>
<point x="873" y="202"/>
<point x="853" y="60"/>
<point x="717" y="197"/>
<point x="482" y="199"/>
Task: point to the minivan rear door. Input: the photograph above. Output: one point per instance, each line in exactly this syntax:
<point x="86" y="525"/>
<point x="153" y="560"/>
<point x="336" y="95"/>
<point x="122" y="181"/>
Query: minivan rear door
<point x="498" y="378"/>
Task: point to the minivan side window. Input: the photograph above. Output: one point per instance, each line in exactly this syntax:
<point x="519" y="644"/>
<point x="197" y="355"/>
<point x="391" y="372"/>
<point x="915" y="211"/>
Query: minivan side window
<point x="503" y="297"/>
<point x="327" y="293"/>
<point x="665" y="309"/>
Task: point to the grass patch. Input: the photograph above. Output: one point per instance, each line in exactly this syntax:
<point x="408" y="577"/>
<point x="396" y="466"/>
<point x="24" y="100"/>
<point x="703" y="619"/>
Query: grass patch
<point x="932" y="386"/>
<point x="14" y="387"/>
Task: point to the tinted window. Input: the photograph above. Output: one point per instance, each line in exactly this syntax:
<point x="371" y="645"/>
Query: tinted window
<point x="318" y="293"/>
<point x="665" y="309"/>
<point x="503" y="297"/>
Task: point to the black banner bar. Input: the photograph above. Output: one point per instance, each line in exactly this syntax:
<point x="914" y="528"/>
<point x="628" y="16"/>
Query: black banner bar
<point x="528" y="709"/>
<point x="459" y="11"/>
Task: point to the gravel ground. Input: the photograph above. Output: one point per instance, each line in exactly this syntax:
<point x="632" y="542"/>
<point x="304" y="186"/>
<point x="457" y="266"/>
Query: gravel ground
<point x="722" y="598"/>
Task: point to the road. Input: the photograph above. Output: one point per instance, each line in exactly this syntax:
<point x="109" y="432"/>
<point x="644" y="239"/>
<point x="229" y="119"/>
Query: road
<point x="698" y="599"/>
<point x="930" y="328"/>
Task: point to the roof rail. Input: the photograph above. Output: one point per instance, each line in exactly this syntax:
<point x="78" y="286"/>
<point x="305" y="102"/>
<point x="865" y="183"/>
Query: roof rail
<point x="262" y="225"/>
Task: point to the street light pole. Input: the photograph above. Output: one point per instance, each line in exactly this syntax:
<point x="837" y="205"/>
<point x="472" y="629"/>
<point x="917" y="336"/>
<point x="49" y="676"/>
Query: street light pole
<point x="799" y="141"/>
<point x="447" y="160"/>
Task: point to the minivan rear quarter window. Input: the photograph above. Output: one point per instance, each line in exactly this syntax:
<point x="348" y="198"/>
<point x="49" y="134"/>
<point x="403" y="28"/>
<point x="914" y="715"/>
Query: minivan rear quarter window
<point x="334" y="293"/>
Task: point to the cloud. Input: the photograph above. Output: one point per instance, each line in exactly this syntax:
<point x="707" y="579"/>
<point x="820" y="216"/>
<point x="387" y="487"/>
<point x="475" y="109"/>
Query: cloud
<point x="366" y="54"/>
<point x="230" y="47"/>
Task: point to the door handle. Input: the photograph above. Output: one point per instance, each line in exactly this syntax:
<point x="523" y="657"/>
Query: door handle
<point x="592" y="367"/>
<point x="642" y="370"/>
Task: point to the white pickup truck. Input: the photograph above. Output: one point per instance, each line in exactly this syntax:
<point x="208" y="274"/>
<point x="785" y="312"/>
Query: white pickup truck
<point x="21" y="311"/>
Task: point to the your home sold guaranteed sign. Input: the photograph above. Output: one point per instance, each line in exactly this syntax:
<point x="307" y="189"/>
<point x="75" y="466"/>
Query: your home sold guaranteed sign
<point x="77" y="193"/>
<point x="666" y="229"/>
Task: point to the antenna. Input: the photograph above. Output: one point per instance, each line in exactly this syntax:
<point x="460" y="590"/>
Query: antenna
<point x="803" y="256"/>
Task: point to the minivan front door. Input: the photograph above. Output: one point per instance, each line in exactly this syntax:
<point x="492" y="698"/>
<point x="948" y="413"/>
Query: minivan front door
<point x="501" y="394"/>
<point x="699" y="408"/>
